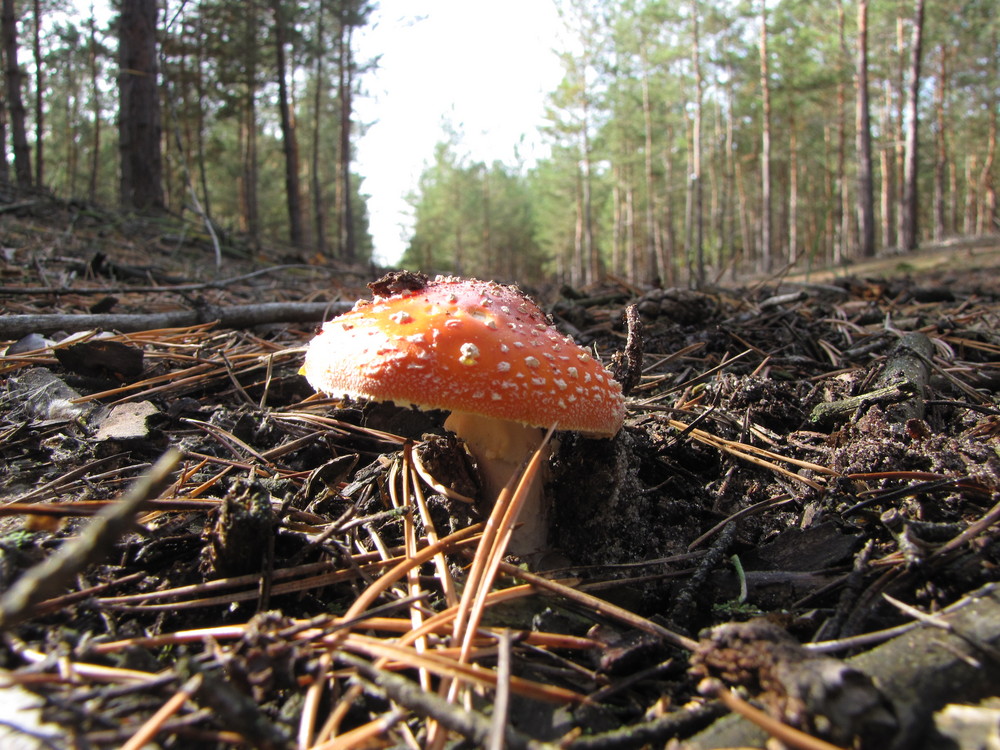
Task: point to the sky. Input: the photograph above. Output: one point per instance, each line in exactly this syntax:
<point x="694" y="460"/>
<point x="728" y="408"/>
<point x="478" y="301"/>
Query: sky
<point x="484" y="67"/>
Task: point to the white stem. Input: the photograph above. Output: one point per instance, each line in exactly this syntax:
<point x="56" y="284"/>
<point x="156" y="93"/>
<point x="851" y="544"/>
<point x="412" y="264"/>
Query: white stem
<point x="501" y="448"/>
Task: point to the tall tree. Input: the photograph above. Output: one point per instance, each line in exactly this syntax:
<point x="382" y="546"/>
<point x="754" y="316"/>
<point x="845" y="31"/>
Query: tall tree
<point x="697" y="189"/>
<point x="15" y="104"/>
<point x="765" y="147"/>
<point x="289" y="138"/>
<point x="350" y="17"/>
<point x="139" y="123"/>
<point x="866" y="196"/>
<point x="36" y="47"/>
<point x="909" y="208"/>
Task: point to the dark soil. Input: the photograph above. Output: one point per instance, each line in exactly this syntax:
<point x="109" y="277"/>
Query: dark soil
<point x="727" y="496"/>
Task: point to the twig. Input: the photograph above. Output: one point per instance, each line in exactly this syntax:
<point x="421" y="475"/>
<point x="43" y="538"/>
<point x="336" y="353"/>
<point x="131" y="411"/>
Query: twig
<point x="239" y="316"/>
<point x="59" y="569"/>
<point x="470" y="724"/>
<point x="153" y="725"/>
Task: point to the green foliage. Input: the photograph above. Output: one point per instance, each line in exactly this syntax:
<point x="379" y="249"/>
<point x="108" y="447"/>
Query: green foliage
<point x="473" y="220"/>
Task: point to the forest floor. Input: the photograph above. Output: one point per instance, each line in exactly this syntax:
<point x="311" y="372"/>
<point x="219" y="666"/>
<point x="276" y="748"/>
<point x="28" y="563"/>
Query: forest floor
<point x="197" y="551"/>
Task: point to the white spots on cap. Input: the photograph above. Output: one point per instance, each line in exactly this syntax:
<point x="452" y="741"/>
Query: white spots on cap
<point x="538" y="381"/>
<point x="468" y="354"/>
<point x="401" y="318"/>
<point x="531" y="362"/>
<point x="560" y="384"/>
<point x="416" y="338"/>
<point x="496" y="397"/>
<point x="573" y="372"/>
<point x="503" y="366"/>
<point x="452" y="298"/>
<point x="519" y="344"/>
<point x="452" y="323"/>
<point x="504" y="348"/>
<point x="586" y="377"/>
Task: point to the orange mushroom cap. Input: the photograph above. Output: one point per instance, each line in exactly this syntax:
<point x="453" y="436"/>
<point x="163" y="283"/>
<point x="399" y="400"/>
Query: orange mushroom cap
<point x="465" y="345"/>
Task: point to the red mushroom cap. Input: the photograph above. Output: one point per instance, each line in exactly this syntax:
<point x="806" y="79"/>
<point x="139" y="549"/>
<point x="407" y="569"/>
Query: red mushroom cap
<point x="465" y="345"/>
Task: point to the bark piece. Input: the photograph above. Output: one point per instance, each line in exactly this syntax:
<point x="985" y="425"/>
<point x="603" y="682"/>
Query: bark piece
<point x="102" y="358"/>
<point x="819" y="694"/>
<point x="920" y="672"/>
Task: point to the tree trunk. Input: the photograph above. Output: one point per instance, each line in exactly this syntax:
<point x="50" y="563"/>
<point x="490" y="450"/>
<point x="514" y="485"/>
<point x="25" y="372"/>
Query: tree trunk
<point x="348" y="250"/>
<point x="941" y="148"/>
<point x="140" y="127"/>
<point x="887" y="168"/>
<point x="866" y="218"/>
<point x="793" y="191"/>
<point x="909" y="207"/>
<point x="39" y="96"/>
<point x="765" y="150"/>
<point x="95" y="94"/>
<point x="249" y="200"/>
<point x="319" y="75"/>
<point x="654" y="240"/>
<point x="840" y="199"/>
<point x="293" y="195"/>
<point x="15" y="104"/>
<point x="697" y="193"/>
<point x="987" y="223"/>
<point x="206" y="197"/>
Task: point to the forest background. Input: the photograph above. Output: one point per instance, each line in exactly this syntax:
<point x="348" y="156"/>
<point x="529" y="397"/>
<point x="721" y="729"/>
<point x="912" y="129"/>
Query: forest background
<point x="689" y="141"/>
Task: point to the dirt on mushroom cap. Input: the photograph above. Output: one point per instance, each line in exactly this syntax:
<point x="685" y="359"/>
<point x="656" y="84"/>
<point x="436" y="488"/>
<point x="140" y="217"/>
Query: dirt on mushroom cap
<point x="466" y="345"/>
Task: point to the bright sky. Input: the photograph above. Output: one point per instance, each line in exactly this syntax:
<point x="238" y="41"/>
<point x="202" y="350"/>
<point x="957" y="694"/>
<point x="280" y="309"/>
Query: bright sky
<point x="484" y="66"/>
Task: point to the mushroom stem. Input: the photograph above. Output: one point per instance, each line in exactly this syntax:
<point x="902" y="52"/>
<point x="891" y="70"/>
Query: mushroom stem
<point x="501" y="448"/>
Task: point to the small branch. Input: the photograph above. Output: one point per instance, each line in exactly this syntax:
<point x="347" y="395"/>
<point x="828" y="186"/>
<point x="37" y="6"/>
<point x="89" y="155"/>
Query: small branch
<point x="13" y="327"/>
<point x="59" y="569"/>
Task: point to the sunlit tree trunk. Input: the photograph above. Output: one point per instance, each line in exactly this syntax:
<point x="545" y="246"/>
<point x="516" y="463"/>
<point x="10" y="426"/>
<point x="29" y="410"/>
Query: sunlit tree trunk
<point x="697" y="192"/>
<point x="345" y="91"/>
<point x="765" y="148"/>
<point x="841" y="202"/>
<point x="319" y="81"/>
<point x="941" y="147"/>
<point x="654" y="240"/>
<point x="793" y="191"/>
<point x="887" y="168"/>
<point x="909" y="207"/>
<point x="987" y="186"/>
<point x="866" y="218"/>
<point x="39" y="95"/>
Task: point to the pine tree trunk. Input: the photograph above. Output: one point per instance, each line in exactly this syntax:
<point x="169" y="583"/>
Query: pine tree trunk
<point x="941" y="150"/>
<point x="139" y="123"/>
<point x="987" y="223"/>
<point x="696" y="155"/>
<point x="15" y="104"/>
<point x="348" y="249"/>
<point x="654" y="240"/>
<point x="319" y="74"/>
<point x="95" y="94"/>
<point x="841" y="202"/>
<point x="909" y="206"/>
<point x="887" y="168"/>
<point x="249" y="199"/>
<point x="289" y="139"/>
<point x="866" y="218"/>
<point x="39" y="96"/>
<point x="765" y="150"/>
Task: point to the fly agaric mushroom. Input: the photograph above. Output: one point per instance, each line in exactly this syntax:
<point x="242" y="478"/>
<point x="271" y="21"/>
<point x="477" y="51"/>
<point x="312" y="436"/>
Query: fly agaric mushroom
<point x="481" y="350"/>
